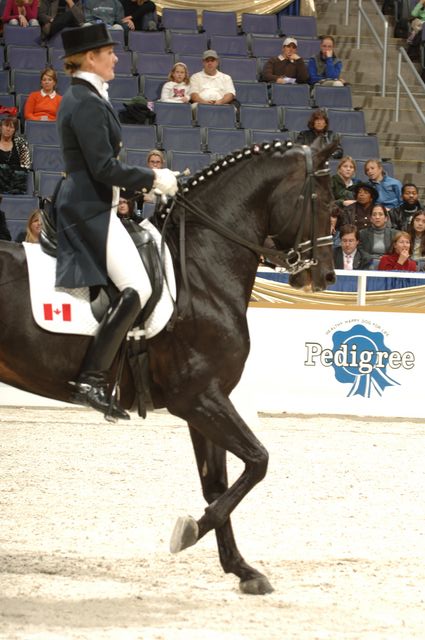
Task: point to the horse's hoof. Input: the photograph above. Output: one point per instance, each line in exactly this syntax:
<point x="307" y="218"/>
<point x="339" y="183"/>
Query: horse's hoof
<point x="257" y="586"/>
<point x="185" y="534"/>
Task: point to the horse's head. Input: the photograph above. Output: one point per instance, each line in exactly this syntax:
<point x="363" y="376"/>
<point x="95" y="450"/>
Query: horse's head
<point x="300" y="217"/>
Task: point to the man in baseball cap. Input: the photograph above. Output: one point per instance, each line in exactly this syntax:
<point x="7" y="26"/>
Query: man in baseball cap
<point x="288" y="67"/>
<point x="211" y="86"/>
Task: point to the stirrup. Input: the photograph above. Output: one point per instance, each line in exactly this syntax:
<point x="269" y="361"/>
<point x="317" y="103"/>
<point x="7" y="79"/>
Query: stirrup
<point x="96" y="396"/>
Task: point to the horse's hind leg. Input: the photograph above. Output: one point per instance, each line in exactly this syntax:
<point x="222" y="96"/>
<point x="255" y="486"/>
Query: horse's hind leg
<point x="211" y="462"/>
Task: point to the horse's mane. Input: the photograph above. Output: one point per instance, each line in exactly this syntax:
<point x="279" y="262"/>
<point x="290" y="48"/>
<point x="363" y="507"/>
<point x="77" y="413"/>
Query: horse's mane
<point x="236" y="156"/>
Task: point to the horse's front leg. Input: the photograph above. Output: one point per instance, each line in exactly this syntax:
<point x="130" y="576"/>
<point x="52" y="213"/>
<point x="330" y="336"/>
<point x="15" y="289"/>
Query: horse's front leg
<point x="211" y="462"/>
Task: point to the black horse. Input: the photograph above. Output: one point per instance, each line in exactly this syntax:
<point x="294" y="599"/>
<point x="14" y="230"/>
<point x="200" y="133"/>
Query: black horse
<point x="276" y="190"/>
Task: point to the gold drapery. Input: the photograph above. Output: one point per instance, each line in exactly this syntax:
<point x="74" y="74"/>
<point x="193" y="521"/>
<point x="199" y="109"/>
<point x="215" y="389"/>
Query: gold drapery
<point x="240" y="6"/>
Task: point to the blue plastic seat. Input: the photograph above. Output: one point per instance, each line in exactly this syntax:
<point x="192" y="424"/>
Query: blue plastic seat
<point x="219" y="116"/>
<point x="172" y="113"/>
<point x="24" y="81"/>
<point x="136" y="157"/>
<point x="333" y="97"/>
<point x="151" y="86"/>
<point x="260" y="23"/>
<point x="193" y="63"/>
<point x="240" y="69"/>
<point x="17" y="210"/>
<point x="308" y="47"/>
<point x="125" y="64"/>
<point x="296" y="119"/>
<point x="181" y="160"/>
<point x="124" y="87"/>
<point x="262" y="135"/>
<point x="154" y="63"/>
<point x="224" y="141"/>
<point x="41" y="132"/>
<point x="30" y="36"/>
<point x="45" y="182"/>
<point x="180" y="138"/>
<point x="4" y="81"/>
<point x="180" y="19"/>
<point x="290" y="95"/>
<point x="136" y="136"/>
<point x="64" y="80"/>
<point x="26" y="57"/>
<point x="54" y="57"/>
<point x="360" y="147"/>
<point x="254" y="117"/>
<point x="265" y="47"/>
<point x="252" y="93"/>
<point x="47" y="158"/>
<point x="188" y="43"/>
<point x="7" y="100"/>
<point x="147" y="42"/>
<point x="230" y="45"/>
<point x="347" y="121"/>
<point x="220" y="23"/>
<point x="304" y="26"/>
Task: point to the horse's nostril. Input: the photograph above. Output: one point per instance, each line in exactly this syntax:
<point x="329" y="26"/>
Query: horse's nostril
<point x="330" y="277"/>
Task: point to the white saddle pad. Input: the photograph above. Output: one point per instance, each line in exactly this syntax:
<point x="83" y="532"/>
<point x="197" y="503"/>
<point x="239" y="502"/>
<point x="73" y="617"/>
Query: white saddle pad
<point x="68" y="310"/>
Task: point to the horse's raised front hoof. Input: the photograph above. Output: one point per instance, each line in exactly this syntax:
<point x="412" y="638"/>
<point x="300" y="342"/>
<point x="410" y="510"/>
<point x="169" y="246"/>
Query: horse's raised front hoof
<point x="257" y="586"/>
<point x="185" y="534"/>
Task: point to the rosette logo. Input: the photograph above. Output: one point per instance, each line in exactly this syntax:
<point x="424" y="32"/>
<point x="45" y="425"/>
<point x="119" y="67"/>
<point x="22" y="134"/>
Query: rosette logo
<point x="360" y="358"/>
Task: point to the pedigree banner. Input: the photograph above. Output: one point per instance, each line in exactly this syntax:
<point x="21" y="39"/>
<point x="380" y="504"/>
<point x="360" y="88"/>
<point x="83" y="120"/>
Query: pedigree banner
<point x="360" y="363"/>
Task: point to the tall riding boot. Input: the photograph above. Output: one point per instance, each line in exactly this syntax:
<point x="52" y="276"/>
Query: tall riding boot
<point x="91" y="388"/>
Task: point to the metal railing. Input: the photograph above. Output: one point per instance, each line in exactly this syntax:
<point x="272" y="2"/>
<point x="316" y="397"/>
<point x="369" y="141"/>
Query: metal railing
<point x="401" y="82"/>
<point x="382" y="44"/>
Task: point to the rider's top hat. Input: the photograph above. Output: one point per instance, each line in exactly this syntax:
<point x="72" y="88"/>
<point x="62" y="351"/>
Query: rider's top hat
<point x="81" y="39"/>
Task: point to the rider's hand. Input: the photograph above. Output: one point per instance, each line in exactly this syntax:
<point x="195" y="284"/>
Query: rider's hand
<point x="165" y="182"/>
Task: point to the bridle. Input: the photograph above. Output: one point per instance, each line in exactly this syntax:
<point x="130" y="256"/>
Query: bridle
<point x="295" y="259"/>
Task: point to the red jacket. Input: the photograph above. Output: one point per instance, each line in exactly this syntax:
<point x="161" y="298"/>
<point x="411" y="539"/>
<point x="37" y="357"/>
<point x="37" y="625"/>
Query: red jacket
<point x="388" y="262"/>
<point x="11" y="11"/>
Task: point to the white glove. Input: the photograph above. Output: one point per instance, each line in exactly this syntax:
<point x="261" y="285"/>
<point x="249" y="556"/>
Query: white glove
<point x="165" y="183"/>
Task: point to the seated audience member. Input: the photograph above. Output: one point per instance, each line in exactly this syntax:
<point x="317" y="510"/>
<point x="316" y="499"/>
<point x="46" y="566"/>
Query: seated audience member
<point x="343" y="179"/>
<point x="177" y="89"/>
<point x="418" y="15"/>
<point x="358" y="213"/>
<point x="377" y="239"/>
<point x="15" y="159"/>
<point x="401" y="216"/>
<point x="139" y="15"/>
<point x="318" y="130"/>
<point x="349" y="255"/>
<point x="211" y="86"/>
<point x="325" y="68"/>
<point x="416" y="230"/>
<point x="398" y="259"/>
<point x="4" y="231"/>
<point x="21" y="13"/>
<point x="286" y="68"/>
<point x="44" y="104"/>
<point x="55" y="15"/>
<point x="111" y="12"/>
<point x="33" y="229"/>
<point x="155" y="160"/>
<point x="389" y="189"/>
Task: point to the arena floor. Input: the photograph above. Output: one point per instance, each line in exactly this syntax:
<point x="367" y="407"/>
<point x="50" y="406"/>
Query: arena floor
<point x="87" y="508"/>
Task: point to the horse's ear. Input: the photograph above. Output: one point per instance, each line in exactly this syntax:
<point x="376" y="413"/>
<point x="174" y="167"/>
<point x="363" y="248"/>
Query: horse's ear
<point x="324" y="153"/>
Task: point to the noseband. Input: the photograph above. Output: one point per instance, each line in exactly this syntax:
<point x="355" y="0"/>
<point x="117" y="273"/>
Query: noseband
<point x="294" y="260"/>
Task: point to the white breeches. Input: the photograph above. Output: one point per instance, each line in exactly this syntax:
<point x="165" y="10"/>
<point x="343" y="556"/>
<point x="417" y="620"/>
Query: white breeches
<point x="123" y="262"/>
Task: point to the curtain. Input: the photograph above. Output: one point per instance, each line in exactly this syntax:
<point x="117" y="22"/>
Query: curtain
<point x="307" y="7"/>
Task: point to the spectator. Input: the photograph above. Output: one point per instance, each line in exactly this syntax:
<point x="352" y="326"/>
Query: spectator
<point x="55" y="15"/>
<point x="33" y="227"/>
<point x="417" y="237"/>
<point x="44" y="104"/>
<point x="139" y="15"/>
<point x="318" y="130"/>
<point x="15" y="159"/>
<point x="401" y="216"/>
<point x="360" y="211"/>
<point x="211" y="86"/>
<point x="21" y="13"/>
<point x="349" y="255"/>
<point x="418" y="14"/>
<point x="155" y="160"/>
<point x="398" y="259"/>
<point x="177" y="89"/>
<point x="110" y="12"/>
<point x="343" y="179"/>
<point x="286" y="68"/>
<point x="377" y="239"/>
<point x="4" y="231"/>
<point x="325" y="68"/>
<point x="389" y="189"/>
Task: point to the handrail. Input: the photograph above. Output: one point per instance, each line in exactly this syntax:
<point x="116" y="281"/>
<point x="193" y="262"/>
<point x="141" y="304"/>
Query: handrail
<point x="382" y="45"/>
<point x="403" y="57"/>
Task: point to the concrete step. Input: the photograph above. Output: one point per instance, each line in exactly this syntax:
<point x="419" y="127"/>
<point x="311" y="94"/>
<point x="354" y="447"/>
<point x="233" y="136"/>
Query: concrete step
<point x="407" y="153"/>
<point x="383" y="121"/>
<point x="368" y="100"/>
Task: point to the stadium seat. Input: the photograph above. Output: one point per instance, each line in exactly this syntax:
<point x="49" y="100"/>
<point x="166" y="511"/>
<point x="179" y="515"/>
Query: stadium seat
<point x="147" y="42"/>
<point x="296" y="119"/>
<point x="262" y="46"/>
<point x="259" y="135"/>
<point x="240" y="69"/>
<point x="64" y="80"/>
<point x="45" y="182"/>
<point x="229" y="45"/>
<point x="41" y="132"/>
<point x="24" y="81"/>
<point x="180" y="138"/>
<point x="252" y="93"/>
<point x="18" y="210"/>
<point x="1" y="57"/>
<point x="123" y="87"/>
<point x="30" y="36"/>
<point x="4" y="81"/>
<point x="308" y="47"/>
<point x="54" y="57"/>
<point x="7" y="100"/>
<point x="125" y="64"/>
<point x="154" y="63"/>
<point x="136" y="157"/>
<point x="47" y="158"/>
<point x="347" y="121"/>
<point x="224" y="141"/>
<point x="254" y="117"/>
<point x="222" y="23"/>
<point x="151" y="86"/>
<point x="136" y="136"/>
<point x="181" y="160"/>
<point x="221" y="116"/>
<point x="360" y="147"/>
<point x="333" y="97"/>
<point x="290" y="95"/>
<point x="173" y="113"/>
<point x="260" y="23"/>
<point x="298" y="26"/>
<point x="180" y="20"/>
<point x="21" y="57"/>
<point x="193" y="63"/>
<point x="188" y="43"/>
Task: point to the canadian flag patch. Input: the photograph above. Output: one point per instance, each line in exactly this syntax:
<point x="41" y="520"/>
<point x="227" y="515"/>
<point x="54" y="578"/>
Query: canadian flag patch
<point x="57" y="312"/>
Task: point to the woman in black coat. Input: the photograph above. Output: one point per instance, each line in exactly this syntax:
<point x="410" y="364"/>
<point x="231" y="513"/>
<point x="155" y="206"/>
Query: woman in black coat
<point x="318" y="129"/>
<point x="93" y="245"/>
<point x="4" y="231"/>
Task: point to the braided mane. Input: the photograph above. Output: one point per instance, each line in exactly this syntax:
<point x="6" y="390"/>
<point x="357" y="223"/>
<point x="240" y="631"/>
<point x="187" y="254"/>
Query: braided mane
<point x="231" y="159"/>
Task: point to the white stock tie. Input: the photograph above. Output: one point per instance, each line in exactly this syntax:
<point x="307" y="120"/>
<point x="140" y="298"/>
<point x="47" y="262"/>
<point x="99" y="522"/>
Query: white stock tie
<point x="348" y="261"/>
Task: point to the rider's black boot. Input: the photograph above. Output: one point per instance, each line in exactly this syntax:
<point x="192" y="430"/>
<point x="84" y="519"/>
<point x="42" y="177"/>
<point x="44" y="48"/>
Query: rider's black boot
<point x="91" y="388"/>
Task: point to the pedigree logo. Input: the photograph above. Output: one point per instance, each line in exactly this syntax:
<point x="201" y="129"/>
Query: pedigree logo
<point x="360" y="358"/>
